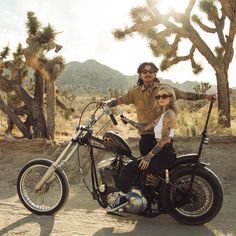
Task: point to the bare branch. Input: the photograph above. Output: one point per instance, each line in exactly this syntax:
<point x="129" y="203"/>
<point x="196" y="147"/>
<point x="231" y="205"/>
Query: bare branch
<point x="196" y="67"/>
<point x="204" y="27"/>
<point x="229" y="50"/>
<point x="229" y="8"/>
<point x="219" y="52"/>
<point x="120" y="34"/>
<point x="209" y="9"/>
<point x="190" y="7"/>
<point x="219" y="29"/>
<point x="5" y="85"/>
<point x="20" y="125"/>
<point x="222" y="19"/>
<point x="160" y="45"/>
<point x="221" y="37"/>
<point x="11" y="85"/>
<point x="167" y="63"/>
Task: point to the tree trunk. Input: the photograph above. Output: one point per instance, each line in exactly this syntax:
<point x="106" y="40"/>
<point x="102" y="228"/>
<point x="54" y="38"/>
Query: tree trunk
<point x="15" y="119"/>
<point x="51" y="107"/>
<point x="39" y="122"/>
<point x="223" y="98"/>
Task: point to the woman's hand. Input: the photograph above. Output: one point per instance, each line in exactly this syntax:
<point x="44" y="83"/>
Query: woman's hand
<point x="144" y="163"/>
<point x="124" y="119"/>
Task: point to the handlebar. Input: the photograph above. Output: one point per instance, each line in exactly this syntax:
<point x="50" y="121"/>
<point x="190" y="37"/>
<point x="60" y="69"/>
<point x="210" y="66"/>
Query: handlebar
<point x="113" y="119"/>
<point x="106" y="110"/>
<point x="123" y="119"/>
<point x="92" y="120"/>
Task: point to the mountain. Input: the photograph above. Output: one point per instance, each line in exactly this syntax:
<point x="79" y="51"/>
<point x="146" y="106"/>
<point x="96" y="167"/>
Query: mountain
<point x="91" y="77"/>
<point x="188" y="85"/>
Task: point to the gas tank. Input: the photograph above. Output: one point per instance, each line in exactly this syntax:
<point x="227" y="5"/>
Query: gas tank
<point x="112" y="141"/>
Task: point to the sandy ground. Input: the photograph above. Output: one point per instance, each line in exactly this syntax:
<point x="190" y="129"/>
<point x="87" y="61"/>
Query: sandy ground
<point x="82" y="216"/>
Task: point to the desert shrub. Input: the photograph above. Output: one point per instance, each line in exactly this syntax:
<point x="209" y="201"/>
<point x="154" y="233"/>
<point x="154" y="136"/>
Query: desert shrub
<point x="189" y="122"/>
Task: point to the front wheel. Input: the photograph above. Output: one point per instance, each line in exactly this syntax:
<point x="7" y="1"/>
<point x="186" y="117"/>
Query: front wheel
<point x="53" y="194"/>
<point x="204" y="201"/>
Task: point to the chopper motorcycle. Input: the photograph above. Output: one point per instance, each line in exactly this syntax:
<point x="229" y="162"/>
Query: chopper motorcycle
<point x="188" y="191"/>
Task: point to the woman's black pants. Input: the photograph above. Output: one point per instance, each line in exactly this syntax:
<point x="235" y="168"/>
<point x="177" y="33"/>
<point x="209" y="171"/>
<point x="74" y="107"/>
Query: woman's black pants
<point x="131" y="172"/>
<point x="146" y="143"/>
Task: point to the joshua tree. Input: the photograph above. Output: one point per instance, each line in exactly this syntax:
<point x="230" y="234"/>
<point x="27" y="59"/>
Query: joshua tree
<point x="202" y="87"/>
<point x="159" y="28"/>
<point x="12" y="74"/>
<point x="46" y="71"/>
<point x="39" y="42"/>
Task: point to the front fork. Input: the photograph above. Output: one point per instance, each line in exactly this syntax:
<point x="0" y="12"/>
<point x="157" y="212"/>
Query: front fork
<point x="60" y="162"/>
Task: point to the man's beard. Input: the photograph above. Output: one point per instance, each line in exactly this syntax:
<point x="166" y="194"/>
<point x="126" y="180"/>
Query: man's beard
<point x="149" y="85"/>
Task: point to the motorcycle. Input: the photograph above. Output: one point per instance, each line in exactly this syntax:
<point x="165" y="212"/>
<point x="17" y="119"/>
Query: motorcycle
<point x="188" y="191"/>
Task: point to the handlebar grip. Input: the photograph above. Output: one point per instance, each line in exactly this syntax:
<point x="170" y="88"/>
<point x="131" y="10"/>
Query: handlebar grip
<point x="113" y="119"/>
<point x="122" y="116"/>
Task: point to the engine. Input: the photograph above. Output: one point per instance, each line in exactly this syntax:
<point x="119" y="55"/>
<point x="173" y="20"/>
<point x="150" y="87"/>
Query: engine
<point x="137" y="202"/>
<point x="109" y="171"/>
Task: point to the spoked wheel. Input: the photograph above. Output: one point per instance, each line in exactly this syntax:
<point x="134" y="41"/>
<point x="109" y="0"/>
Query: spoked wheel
<point x="53" y="194"/>
<point x="204" y="201"/>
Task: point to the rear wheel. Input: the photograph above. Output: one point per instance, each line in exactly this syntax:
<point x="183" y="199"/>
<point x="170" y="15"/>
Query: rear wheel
<point x="53" y="194"/>
<point x="205" y="199"/>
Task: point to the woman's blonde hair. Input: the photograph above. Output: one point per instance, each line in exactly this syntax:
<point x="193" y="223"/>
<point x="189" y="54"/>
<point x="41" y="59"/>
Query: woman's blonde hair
<point x="171" y="92"/>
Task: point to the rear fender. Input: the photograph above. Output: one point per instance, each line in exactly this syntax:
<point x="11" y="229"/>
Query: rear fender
<point x="187" y="160"/>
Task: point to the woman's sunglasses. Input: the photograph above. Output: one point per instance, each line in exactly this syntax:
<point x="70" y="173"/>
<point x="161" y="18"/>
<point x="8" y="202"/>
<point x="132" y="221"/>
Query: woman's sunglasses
<point x="164" y="96"/>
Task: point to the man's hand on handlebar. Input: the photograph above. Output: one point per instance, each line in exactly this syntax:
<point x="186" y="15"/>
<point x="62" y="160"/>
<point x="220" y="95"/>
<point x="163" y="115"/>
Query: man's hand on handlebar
<point x="105" y="106"/>
<point x="100" y="103"/>
<point x="109" y="103"/>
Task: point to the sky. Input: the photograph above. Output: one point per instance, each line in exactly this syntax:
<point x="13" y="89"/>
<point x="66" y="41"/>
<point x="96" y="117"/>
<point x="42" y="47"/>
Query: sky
<point x="85" y="28"/>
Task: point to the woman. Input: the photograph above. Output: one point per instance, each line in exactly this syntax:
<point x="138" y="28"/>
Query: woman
<point x="161" y="156"/>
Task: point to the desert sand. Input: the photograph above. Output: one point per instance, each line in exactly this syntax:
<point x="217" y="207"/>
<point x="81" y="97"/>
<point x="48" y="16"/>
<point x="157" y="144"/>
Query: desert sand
<point x="81" y="215"/>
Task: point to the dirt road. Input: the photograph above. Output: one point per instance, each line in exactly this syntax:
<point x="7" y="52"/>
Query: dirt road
<point x="82" y="216"/>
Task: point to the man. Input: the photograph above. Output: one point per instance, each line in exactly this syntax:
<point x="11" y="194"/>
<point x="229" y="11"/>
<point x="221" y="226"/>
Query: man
<point x="143" y="98"/>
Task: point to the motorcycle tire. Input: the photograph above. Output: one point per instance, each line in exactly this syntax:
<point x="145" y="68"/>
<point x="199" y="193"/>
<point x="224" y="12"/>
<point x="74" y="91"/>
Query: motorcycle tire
<point x="206" y="196"/>
<point x="53" y="194"/>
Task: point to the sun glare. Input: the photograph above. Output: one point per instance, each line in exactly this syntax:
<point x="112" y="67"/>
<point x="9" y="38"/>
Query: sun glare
<point x="179" y="5"/>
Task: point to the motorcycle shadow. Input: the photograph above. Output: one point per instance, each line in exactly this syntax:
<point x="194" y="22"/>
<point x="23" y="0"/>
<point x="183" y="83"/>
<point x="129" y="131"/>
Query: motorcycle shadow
<point x="80" y="198"/>
<point x="131" y="224"/>
<point x="161" y="225"/>
<point x="45" y="223"/>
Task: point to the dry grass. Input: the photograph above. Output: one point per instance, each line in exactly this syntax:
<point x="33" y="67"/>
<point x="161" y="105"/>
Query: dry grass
<point x="192" y="124"/>
<point x="188" y="123"/>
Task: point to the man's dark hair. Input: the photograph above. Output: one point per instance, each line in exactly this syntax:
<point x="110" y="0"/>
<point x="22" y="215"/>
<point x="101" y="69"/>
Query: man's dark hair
<point x="141" y="67"/>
